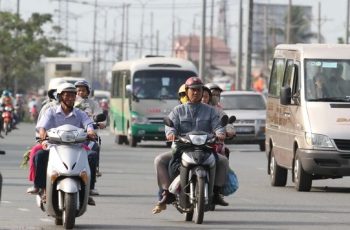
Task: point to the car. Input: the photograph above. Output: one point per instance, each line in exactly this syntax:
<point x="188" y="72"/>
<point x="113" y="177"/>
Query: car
<point x="250" y="110"/>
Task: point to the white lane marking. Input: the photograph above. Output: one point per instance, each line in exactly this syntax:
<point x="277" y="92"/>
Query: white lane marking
<point x="24" y="209"/>
<point x="6" y="202"/>
<point x="261" y="168"/>
<point x="46" y="220"/>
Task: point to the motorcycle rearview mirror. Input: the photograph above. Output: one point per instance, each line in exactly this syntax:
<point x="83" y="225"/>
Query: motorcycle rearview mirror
<point x="168" y="122"/>
<point x="100" y="117"/>
<point x="224" y="120"/>
<point x="232" y="119"/>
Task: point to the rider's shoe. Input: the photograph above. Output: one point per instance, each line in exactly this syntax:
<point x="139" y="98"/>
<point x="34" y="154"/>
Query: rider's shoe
<point x="94" y="192"/>
<point x="91" y="201"/>
<point x="218" y="199"/>
<point x="33" y="190"/>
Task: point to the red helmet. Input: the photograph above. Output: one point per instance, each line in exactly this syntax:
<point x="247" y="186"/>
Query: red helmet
<point x="194" y="82"/>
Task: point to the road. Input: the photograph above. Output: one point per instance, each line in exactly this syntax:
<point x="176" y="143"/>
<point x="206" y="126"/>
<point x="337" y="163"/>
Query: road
<point x="128" y="192"/>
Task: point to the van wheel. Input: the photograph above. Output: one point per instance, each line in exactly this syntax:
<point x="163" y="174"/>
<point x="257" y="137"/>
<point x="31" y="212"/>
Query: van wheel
<point x="262" y="147"/>
<point x="278" y="174"/>
<point x="302" y="179"/>
<point x="119" y="139"/>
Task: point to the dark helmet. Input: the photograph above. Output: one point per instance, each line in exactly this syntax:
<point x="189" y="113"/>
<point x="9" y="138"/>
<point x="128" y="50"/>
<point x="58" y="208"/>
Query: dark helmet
<point x="205" y="88"/>
<point x="194" y="83"/>
<point x="83" y="83"/>
<point x="213" y="86"/>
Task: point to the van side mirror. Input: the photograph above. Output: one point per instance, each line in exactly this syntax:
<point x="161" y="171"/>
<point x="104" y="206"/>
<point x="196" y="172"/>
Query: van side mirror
<point x="286" y="95"/>
<point x="224" y="120"/>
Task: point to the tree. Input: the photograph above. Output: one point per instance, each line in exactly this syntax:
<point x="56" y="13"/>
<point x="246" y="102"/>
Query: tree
<point x="23" y="43"/>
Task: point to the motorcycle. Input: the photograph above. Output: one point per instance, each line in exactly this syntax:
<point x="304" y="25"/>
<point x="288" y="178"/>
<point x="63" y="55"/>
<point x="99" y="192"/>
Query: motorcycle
<point x="7" y="118"/>
<point x="68" y="175"/>
<point x="2" y="153"/>
<point x="193" y="187"/>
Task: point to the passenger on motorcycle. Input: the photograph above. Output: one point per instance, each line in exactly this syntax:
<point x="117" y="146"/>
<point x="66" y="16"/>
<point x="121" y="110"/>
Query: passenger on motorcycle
<point x="92" y="108"/>
<point x="215" y="95"/>
<point x="64" y="113"/>
<point x="182" y="94"/>
<point x="187" y="117"/>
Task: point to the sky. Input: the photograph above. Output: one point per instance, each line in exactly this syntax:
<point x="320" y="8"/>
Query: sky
<point x="187" y="15"/>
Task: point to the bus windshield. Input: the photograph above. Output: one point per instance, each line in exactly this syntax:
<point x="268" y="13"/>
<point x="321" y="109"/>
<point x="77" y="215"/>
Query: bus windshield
<point x="159" y="84"/>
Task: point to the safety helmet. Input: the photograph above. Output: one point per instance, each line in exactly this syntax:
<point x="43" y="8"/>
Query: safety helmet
<point x="194" y="83"/>
<point x="66" y="87"/>
<point x="6" y="93"/>
<point x="53" y="87"/>
<point x="83" y="83"/>
<point x="182" y="89"/>
<point x="213" y="86"/>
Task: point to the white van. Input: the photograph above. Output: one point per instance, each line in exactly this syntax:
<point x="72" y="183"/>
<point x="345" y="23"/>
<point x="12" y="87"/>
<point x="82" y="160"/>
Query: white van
<point x="308" y="114"/>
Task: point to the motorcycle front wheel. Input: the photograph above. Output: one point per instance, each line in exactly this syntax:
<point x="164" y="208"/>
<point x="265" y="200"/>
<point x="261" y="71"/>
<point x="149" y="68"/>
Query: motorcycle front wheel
<point x="70" y="204"/>
<point x="199" y="203"/>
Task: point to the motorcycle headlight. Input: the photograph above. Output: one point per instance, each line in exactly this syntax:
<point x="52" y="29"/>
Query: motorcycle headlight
<point x="198" y="139"/>
<point x="68" y="136"/>
<point x="318" y="140"/>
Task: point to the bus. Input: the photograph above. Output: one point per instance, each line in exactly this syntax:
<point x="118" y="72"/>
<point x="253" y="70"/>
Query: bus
<point x="143" y="92"/>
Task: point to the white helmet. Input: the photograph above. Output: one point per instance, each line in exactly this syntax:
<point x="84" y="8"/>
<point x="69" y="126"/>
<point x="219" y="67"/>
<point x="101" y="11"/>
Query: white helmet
<point x="53" y="86"/>
<point x="66" y="87"/>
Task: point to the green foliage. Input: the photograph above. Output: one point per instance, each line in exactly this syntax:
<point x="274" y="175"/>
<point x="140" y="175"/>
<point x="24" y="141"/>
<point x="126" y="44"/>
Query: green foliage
<point x="23" y="43"/>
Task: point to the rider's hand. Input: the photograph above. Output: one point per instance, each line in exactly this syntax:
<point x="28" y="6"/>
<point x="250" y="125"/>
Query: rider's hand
<point x="101" y="125"/>
<point x="221" y="137"/>
<point x="91" y="135"/>
<point x="170" y="137"/>
<point x="44" y="144"/>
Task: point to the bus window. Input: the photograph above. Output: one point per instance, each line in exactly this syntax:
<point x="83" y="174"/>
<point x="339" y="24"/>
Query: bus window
<point x="155" y="84"/>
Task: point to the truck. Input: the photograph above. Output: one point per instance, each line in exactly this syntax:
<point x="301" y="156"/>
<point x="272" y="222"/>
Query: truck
<point x="67" y="68"/>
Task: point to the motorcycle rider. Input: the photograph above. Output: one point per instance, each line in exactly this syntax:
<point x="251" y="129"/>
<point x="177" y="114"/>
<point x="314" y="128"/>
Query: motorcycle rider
<point x="187" y="117"/>
<point x="182" y="94"/>
<point x="64" y="113"/>
<point x="92" y="108"/>
<point x="50" y="102"/>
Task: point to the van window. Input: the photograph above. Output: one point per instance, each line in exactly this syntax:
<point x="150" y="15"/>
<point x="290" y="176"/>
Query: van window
<point x="289" y="74"/>
<point x="276" y="77"/>
<point x="327" y="80"/>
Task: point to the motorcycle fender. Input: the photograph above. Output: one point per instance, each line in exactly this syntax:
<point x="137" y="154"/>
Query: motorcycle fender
<point x="68" y="185"/>
<point x="200" y="171"/>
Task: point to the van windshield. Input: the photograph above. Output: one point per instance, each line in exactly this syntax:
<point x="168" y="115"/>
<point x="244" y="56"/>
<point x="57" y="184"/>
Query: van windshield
<point x="242" y="102"/>
<point x="159" y="84"/>
<point x="327" y="80"/>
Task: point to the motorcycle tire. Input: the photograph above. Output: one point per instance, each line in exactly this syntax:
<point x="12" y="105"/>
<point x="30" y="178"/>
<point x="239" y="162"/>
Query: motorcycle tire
<point x="199" y="205"/>
<point x="68" y="215"/>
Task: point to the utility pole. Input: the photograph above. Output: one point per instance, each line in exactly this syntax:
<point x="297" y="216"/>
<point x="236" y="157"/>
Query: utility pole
<point x="151" y="34"/>
<point x="202" y="42"/>
<point x="157" y="43"/>
<point x="173" y="30"/>
<point x="248" y="76"/>
<point x="127" y="32"/>
<point x="94" y="46"/>
<point x="319" y="23"/>
<point x="289" y="15"/>
<point x="239" y="55"/>
<point x="347" y="24"/>
<point x="121" y="47"/>
<point x="141" y="29"/>
<point x="211" y="33"/>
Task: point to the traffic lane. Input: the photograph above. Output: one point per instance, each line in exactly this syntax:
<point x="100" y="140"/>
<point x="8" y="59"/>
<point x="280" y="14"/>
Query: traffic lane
<point x="323" y="207"/>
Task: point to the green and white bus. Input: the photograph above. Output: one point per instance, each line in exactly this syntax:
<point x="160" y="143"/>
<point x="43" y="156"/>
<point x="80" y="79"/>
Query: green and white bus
<point x="143" y="92"/>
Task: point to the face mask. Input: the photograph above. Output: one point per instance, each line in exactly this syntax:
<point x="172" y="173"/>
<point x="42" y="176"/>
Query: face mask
<point x="183" y="100"/>
<point x="215" y="100"/>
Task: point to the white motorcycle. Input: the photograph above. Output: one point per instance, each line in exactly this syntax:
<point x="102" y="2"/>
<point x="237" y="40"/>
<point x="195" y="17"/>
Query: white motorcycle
<point x="68" y="175"/>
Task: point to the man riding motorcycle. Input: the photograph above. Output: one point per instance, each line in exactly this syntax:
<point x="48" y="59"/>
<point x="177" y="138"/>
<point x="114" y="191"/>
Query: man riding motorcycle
<point x="187" y="117"/>
<point x="92" y="108"/>
<point x="64" y="113"/>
